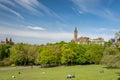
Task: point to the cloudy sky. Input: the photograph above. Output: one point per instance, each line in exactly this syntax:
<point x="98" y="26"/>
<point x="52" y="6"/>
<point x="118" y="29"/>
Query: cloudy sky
<point x="43" y="21"/>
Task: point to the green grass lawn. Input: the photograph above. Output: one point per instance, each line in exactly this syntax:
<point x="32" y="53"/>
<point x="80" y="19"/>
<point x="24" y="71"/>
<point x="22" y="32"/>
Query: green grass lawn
<point x="82" y="72"/>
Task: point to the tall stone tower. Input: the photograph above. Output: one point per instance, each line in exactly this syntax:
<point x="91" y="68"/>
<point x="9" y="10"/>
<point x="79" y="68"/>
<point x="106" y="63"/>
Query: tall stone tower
<point x="6" y="42"/>
<point x="75" y="35"/>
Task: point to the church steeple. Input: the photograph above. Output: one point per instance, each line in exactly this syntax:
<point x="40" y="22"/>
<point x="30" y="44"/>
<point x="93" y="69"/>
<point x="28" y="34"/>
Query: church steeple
<point x="10" y="40"/>
<point x="6" y="39"/>
<point x="75" y="35"/>
<point x="76" y="31"/>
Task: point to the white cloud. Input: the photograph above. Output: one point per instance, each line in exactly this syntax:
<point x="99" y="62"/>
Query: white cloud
<point x="29" y="5"/>
<point x="51" y="35"/>
<point x="36" y="28"/>
<point x="34" y="5"/>
<point x="115" y="30"/>
<point x="12" y="11"/>
<point x="7" y="2"/>
<point x="43" y="35"/>
<point x="86" y="5"/>
<point x="102" y="29"/>
<point x="94" y="7"/>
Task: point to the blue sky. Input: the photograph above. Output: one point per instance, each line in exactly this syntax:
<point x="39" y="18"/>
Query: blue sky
<point x="44" y="21"/>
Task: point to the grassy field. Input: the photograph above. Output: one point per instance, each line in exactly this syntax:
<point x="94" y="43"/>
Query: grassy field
<point x="82" y="72"/>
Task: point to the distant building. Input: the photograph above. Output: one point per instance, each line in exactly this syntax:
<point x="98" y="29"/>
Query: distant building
<point x="112" y="41"/>
<point x="98" y="41"/>
<point x="83" y="40"/>
<point x="75" y="35"/>
<point x="6" y="41"/>
<point x="117" y="37"/>
<point x="87" y="40"/>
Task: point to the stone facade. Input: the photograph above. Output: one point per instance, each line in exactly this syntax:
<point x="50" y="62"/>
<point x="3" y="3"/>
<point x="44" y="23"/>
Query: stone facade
<point x="75" y="35"/>
<point x="83" y="40"/>
<point x="87" y="40"/>
<point x="6" y="41"/>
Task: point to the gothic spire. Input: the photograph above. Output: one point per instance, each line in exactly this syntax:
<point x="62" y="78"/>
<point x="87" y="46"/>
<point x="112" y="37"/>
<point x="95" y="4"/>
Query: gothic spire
<point x="76" y="31"/>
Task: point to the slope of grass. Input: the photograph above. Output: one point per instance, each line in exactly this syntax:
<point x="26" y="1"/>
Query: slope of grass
<point x="82" y="72"/>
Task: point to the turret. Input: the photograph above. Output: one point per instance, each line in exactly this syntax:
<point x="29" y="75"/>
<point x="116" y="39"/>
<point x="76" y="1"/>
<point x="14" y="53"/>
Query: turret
<point x="7" y="40"/>
<point x="75" y="35"/>
<point x="10" y="40"/>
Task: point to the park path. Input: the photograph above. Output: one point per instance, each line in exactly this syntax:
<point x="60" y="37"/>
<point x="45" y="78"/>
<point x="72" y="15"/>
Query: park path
<point x="17" y="67"/>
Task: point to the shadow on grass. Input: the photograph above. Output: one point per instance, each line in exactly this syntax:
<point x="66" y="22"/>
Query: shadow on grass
<point x="54" y="65"/>
<point x="118" y="79"/>
<point x="49" y="65"/>
<point x="111" y="67"/>
<point x="118" y="73"/>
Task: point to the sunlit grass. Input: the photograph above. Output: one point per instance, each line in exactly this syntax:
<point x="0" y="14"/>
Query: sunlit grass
<point x="81" y="72"/>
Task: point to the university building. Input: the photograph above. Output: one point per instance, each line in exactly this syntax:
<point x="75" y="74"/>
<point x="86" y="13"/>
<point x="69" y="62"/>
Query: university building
<point x="117" y="37"/>
<point x="87" y="40"/>
<point x="6" y="41"/>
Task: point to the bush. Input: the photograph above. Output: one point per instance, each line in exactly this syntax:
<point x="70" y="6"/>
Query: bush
<point x="111" y="60"/>
<point x="1" y="63"/>
<point x="5" y="62"/>
<point x="13" y="65"/>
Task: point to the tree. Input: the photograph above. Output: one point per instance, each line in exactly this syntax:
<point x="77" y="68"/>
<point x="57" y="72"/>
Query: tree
<point x="4" y="51"/>
<point x="67" y="56"/>
<point x="23" y="54"/>
<point x="117" y="45"/>
<point x="111" y="57"/>
<point x="111" y="60"/>
<point x="16" y="54"/>
<point x="94" y="53"/>
<point x="80" y="51"/>
<point x="50" y="54"/>
<point x="107" y="44"/>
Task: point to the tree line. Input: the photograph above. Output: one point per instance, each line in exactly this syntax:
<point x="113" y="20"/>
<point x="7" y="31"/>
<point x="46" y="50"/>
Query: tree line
<point x="61" y="53"/>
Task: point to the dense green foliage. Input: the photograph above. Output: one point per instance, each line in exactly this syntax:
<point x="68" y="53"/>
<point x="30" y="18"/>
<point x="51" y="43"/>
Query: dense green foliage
<point x="23" y="54"/>
<point x="4" y="51"/>
<point x="81" y="72"/>
<point x="51" y="54"/>
<point x="4" y="55"/>
<point x="111" y="56"/>
<point x="60" y="53"/>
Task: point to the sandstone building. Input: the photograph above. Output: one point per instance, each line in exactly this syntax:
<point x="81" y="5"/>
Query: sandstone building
<point x="87" y="40"/>
<point x="6" y="41"/>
